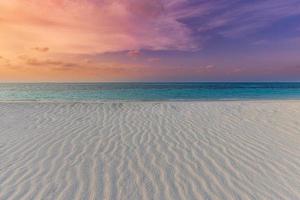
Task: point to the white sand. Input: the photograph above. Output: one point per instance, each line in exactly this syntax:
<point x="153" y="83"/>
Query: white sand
<point x="136" y="151"/>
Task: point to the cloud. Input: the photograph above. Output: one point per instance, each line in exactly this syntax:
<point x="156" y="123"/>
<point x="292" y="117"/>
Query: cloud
<point x="208" y="67"/>
<point x="98" y="32"/>
<point x="97" y="26"/>
<point x="243" y="18"/>
<point x="153" y="59"/>
<point x="260" y="42"/>
<point x="41" y="49"/>
<point x="134" y="53"/>
<point x="109" y="70"/>
<point x="4" y="61"/>
<point x="52" y="64"/>
<point x="82" y="69"/>
<point x="34" y="61"/>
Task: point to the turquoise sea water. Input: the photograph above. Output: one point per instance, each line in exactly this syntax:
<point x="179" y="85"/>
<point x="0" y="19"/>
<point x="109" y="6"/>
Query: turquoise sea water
<point x="147" y="91"/>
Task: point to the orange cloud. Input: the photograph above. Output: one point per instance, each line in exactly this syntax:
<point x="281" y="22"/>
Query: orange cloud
<point x="89" y="26"/>
<point x="134" y="53"/>
<point x="41" y="49"/>
<point x="82" y="69"/>
<point x="4" y="61"/>
<point x="30" y="28"/>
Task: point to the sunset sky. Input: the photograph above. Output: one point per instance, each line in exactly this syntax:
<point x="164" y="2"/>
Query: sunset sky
<point x="149" y="40"/>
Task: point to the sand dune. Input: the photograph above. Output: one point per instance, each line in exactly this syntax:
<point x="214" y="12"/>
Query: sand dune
<point x="150" y="150"/>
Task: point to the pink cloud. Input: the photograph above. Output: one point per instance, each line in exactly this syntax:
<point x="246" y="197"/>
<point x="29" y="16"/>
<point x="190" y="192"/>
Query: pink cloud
<point x="134" y="53"/>
<point x="153" y="60"/>
<point x="97" y="26"/>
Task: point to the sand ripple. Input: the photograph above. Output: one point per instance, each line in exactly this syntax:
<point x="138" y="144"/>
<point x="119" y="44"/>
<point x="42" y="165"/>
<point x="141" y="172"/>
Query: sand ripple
<point x="167" y="150"/>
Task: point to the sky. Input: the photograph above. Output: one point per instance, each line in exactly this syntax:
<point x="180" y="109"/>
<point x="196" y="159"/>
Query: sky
<point x="149" y="40"/>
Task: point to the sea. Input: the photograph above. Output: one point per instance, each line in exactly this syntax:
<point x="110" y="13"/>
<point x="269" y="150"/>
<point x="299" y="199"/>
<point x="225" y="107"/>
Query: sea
<point x="219" y="91"/>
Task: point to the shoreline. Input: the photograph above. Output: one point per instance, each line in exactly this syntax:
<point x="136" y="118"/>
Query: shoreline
<point x="150" y="101"/>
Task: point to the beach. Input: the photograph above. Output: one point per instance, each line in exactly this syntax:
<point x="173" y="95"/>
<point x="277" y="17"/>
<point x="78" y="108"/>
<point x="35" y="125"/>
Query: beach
<point x="150" y="150"/>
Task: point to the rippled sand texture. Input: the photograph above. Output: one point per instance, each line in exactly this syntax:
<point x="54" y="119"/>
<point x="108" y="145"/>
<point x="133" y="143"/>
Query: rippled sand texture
<point x="200" y="150"/>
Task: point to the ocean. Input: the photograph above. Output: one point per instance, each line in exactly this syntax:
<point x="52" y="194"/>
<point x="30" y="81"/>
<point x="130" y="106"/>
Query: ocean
<point x="147" y="91"/>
